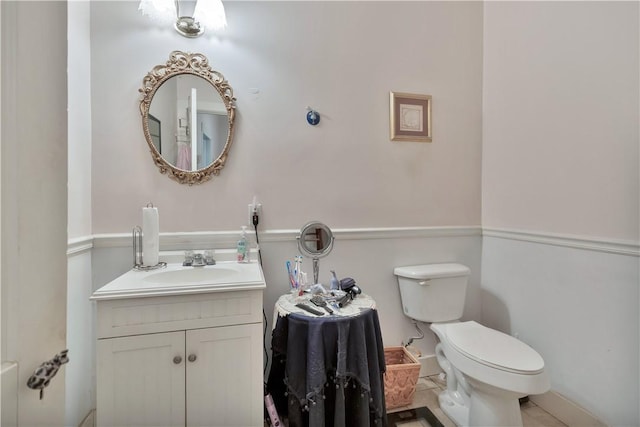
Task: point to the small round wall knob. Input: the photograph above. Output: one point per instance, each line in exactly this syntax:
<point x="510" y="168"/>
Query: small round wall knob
<point x="192" y="358"/>
<point x="313" y="117"/>
<point x="177" y="360"/>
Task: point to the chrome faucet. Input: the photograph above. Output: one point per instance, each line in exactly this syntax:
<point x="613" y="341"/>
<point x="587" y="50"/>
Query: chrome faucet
<point x="197" y="259"/>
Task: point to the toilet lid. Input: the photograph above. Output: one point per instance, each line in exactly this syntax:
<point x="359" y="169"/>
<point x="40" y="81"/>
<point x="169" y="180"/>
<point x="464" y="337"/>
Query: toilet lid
<point x="494" y="348"/>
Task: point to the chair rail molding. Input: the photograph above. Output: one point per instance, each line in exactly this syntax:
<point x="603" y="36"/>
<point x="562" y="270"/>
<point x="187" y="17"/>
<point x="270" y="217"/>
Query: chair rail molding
<point x="228" y="239"/>
<point x="78" y="245"/>
<point x="620" y="247"/>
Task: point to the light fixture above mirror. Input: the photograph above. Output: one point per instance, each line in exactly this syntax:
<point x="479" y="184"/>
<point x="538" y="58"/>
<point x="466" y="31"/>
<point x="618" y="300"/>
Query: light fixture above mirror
<point x="190" y="17"/>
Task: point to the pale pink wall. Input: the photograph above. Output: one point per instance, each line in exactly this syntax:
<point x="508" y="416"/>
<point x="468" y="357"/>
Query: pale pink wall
<point x="34" y="199"/>
<point x="342" y="59"/>
<point x="79" y="102"/>
<point x="560" y="157"/>
<point x="560" y="118"/>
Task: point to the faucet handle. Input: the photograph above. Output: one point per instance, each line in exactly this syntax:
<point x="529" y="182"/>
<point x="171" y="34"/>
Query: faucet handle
<point x="208" y="258"/>
<point x="188" y="258"/>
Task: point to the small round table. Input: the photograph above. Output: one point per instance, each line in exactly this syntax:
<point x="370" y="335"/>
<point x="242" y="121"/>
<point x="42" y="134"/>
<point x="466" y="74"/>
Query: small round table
<point x="328" y="369"/>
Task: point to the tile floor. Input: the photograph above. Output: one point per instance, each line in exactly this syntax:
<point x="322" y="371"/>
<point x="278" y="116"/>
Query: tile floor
<point x="427" y="391"/>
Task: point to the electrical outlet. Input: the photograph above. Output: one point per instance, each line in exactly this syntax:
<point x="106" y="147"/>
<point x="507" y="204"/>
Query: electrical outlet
<point x="254" y="207"/>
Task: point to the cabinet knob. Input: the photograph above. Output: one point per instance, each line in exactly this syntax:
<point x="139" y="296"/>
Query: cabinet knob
<point x="177" y="360"/>
<point x="192" y="358"/>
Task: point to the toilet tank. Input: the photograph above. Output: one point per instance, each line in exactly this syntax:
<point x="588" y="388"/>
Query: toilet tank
<point x="433" y="292"/>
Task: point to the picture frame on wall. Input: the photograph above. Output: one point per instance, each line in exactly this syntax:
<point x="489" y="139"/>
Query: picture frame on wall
<point x="410" y="117"/>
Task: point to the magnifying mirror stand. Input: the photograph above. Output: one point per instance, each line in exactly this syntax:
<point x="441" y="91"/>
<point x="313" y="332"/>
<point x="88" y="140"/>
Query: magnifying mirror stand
<point x="316" y="270"/>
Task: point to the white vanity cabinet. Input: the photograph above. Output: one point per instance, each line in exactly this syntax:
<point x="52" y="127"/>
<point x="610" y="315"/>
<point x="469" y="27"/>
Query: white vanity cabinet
<point x="193" y="359"/>
<point x="138" y="384"/>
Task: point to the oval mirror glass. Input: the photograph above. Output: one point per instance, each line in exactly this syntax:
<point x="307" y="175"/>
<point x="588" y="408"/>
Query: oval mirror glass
<point x="188" y="112"/>
<point x="315" y="240"/>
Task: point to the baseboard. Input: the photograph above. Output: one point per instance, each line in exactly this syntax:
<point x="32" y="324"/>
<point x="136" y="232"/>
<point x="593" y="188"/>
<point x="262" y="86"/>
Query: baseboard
<point x="429" y="365"/>
<point x="565" y="410"/>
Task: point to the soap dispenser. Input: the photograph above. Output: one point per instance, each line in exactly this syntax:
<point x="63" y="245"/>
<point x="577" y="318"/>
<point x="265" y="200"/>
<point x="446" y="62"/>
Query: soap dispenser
<point x="243" y="246"/>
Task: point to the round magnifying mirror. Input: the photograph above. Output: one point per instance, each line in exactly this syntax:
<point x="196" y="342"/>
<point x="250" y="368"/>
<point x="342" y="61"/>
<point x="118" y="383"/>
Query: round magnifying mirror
<point x="315" y="241"/>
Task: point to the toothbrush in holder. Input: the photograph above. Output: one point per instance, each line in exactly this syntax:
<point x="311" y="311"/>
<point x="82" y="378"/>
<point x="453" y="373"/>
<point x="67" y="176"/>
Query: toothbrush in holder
<point x="292" y="280"/>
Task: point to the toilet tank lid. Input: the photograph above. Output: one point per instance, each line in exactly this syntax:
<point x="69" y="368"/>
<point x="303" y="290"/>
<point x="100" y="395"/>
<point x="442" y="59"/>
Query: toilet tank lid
<point x="432" y="271"/>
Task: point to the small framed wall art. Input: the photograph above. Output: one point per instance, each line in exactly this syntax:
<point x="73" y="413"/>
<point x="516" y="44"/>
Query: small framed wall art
<point x="410" y="117"/>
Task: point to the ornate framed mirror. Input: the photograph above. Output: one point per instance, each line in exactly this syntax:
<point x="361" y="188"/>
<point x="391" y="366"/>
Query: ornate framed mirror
<point x="188" y="113"/>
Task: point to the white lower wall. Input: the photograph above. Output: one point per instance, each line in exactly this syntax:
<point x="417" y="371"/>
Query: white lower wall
<point x="578" y="308"/>
<point x="80" y="375"/>
<point x="367" y="255"/>
<point x="9" y="381"/>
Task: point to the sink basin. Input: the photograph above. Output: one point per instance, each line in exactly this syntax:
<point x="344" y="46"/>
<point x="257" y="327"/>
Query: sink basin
<point x="176" y="279"/>
<point x="209" y="275"/>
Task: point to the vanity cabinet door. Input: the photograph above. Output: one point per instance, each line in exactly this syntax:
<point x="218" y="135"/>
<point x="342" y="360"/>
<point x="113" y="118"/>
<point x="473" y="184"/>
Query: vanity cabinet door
<point x="141" y="380"/>
<point x="224" y="376"/>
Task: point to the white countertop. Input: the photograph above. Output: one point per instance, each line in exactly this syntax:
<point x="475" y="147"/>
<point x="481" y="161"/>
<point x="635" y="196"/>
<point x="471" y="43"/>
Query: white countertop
<point x="175" y="279"/>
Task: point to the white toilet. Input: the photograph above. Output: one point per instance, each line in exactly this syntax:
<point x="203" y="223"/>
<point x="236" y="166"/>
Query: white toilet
<point x="487" y="370"/>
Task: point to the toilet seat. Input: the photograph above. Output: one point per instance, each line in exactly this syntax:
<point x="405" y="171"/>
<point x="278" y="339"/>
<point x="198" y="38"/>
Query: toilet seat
<point x="493" y="348"/>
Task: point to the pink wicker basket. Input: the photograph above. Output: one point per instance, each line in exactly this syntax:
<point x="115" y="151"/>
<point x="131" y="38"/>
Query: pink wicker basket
<point x="401" y="377"/>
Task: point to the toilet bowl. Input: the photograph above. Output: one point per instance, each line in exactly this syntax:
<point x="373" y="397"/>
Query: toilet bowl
<point x="487" y="371"/>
